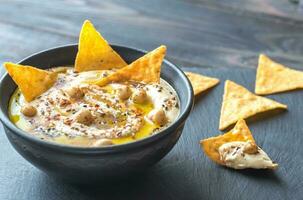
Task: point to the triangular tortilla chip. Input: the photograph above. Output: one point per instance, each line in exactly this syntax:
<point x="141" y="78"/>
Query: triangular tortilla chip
<point x="145" y="69"/>
<point x="31" y="81"/>
<point x="239" y="103"/>
<point x="273" y="77"/>
<point x="94" y="53"/>
<point x="239" y="133"/>
<point x="201" y="83"/>
<point x="233" y="141"/>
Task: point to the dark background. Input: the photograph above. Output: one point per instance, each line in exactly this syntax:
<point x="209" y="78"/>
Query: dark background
<point x="199" y="34"/>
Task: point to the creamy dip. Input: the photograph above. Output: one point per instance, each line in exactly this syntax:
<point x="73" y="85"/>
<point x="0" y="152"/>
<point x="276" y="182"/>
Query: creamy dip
<point x="76" y="113"/>
<point x="240" y="155"/>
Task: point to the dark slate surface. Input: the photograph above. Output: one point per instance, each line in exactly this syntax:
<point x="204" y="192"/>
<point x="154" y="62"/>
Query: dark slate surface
<point x="198" y="33"/>
<point x="186" y="173"/>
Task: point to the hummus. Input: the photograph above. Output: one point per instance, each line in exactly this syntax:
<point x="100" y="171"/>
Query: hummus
<point x="76" y="113"/>
<point x="241" y="155"/>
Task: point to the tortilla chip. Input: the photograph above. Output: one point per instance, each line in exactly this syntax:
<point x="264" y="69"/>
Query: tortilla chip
<point x="273" y="77"/>
<point x="31" y="81"/>
<point x="239" y="103"/>
<point x="240" y="133"/>
<point x="94" y="53"/>
<point x="145" y="69"/>
<point x="201" y="83"/>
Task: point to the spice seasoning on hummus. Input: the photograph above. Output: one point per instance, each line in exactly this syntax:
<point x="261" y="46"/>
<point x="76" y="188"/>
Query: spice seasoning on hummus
<point x="77" y="113"/>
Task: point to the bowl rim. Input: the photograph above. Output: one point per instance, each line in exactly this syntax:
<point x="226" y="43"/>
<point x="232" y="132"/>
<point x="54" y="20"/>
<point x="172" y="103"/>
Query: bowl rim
<point x="114" y="148"/>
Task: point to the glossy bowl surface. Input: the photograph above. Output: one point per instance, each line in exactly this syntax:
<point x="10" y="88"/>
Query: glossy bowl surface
<point x="82" y="164"/>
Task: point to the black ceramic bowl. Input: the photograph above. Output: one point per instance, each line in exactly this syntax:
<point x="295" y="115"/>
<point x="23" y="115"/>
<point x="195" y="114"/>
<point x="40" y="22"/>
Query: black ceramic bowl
<point x="82" y="165"/>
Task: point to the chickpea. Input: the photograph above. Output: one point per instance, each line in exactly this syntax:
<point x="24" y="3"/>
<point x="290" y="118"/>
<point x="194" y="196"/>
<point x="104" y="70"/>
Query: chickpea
<point x="124" y="92"/>
<point x="158" y="116"/>
<point x="139" y="96"/>
<point x="74" y="92"/>
<point x="102" y="142"/>
<point x="250" y="148"/>
<point x="29" y="110"/>
<point x="84" y="117"/>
